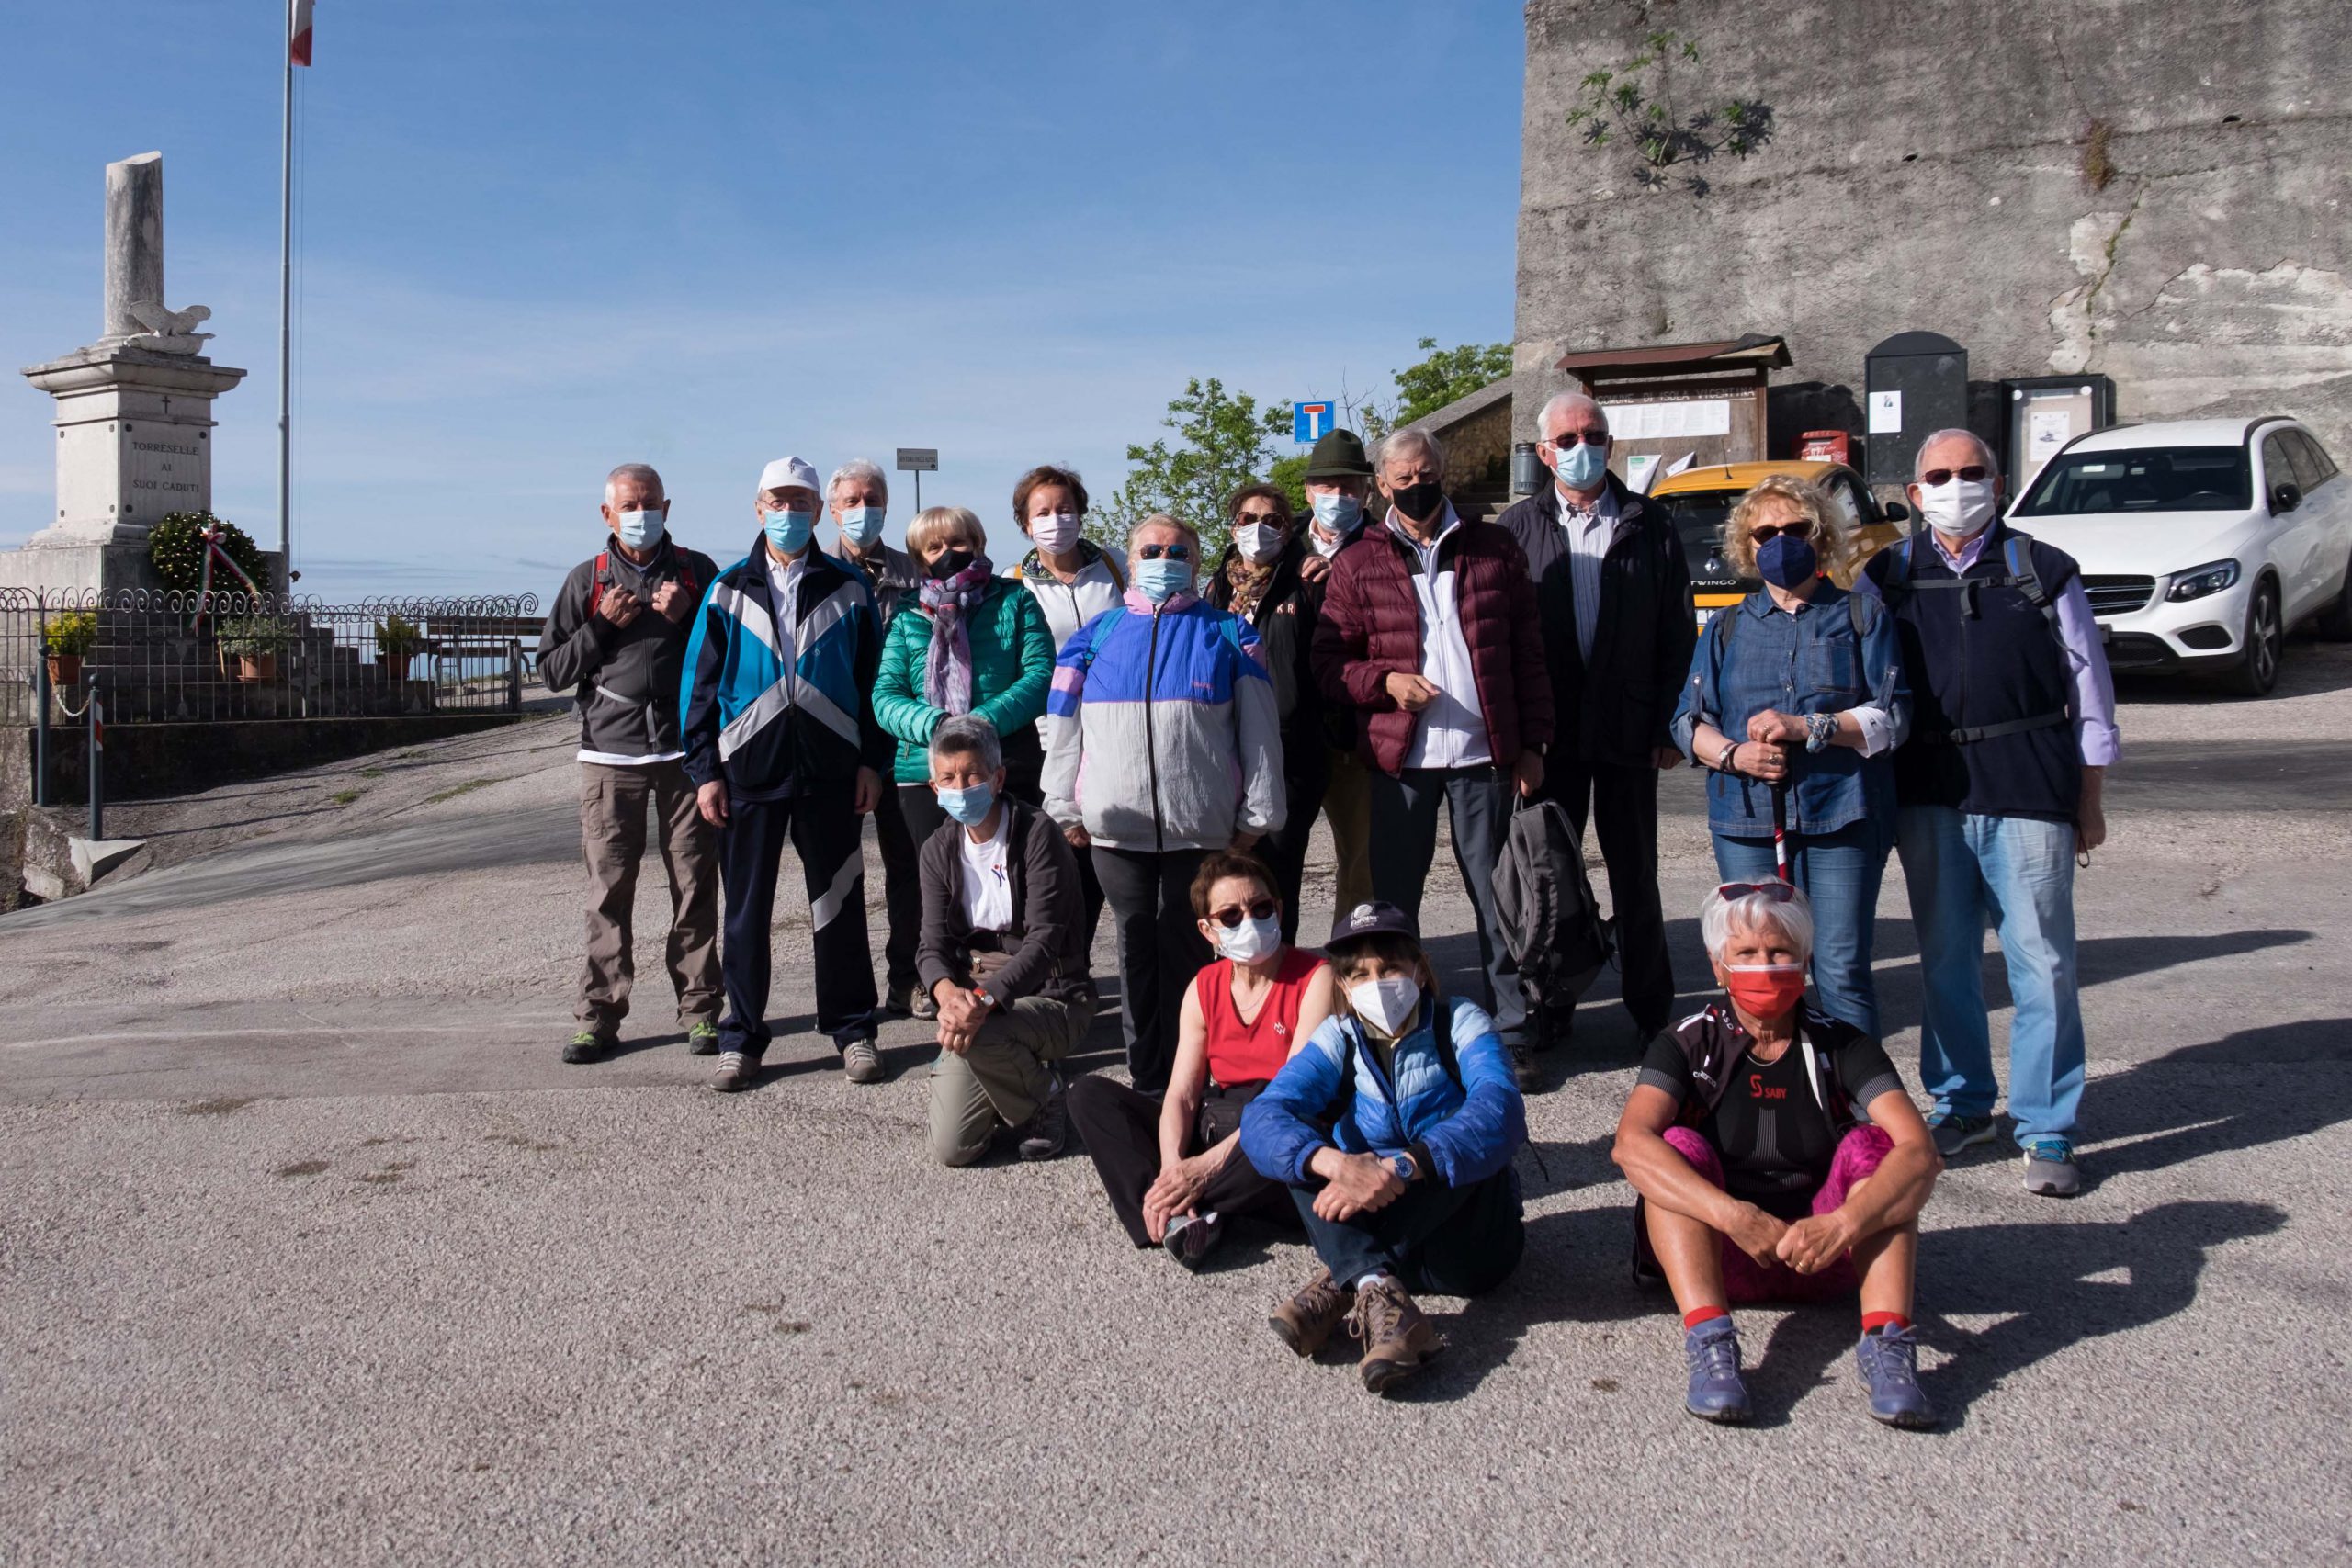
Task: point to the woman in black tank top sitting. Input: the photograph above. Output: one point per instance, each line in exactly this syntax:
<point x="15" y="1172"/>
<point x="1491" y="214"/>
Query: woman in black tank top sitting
<point x="1777" y="1158"/>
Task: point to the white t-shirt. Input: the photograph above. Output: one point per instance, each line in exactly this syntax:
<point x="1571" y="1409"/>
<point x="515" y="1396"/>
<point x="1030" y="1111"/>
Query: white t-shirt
<point x="988" y="881"/>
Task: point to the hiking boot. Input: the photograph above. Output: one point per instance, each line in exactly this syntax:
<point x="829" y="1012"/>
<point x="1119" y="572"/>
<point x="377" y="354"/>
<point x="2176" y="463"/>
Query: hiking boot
<point x="2049" y="1168"/>
<point x="1716" y="1391"/>
<point x="588" y="1045"/>
<point x="1047" y="1129"/>
<point x="702" y="1038"/>
<point x="1953" y="1131"/>
<point x="1888" y="1359"/>
<point x="1523" y="1070"/>
<point x="1188" y="1238"/>
<point x="736" y="1072"/>
<point x="921" y="1003"/>
<point x="1397" y="1340"/>
<point x="861" y="1063"/>
<point x="1306" y="1321"/>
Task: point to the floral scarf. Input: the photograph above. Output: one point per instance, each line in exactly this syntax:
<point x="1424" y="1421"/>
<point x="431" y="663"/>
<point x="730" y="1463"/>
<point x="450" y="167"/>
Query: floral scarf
<point x="947" y="674"/>
<point x="1247" y="580"/>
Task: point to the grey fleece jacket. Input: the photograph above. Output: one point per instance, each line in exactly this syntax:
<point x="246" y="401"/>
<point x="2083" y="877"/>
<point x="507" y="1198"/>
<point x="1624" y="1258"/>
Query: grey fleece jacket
<point x="626" y="678"/>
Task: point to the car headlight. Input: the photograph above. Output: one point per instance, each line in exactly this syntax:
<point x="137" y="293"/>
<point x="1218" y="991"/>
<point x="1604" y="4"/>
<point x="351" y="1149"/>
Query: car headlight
<point x="2200" y="581"/>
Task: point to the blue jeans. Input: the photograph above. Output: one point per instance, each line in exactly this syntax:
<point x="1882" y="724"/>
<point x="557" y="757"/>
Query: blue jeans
<point x="2019" y="872"/>
<point x="1839" y="872"/>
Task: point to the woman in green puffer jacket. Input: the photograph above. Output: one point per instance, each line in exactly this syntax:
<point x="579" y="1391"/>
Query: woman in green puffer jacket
<point x="968" y="642"/>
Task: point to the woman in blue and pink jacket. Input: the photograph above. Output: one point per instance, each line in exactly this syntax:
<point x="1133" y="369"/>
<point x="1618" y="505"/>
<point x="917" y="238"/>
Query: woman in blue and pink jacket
<point x="1166" y="747"/>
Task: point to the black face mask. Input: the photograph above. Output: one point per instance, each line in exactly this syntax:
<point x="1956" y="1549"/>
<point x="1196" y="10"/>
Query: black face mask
<point x="949" y="563"/>
<point x="1420" y="501"/>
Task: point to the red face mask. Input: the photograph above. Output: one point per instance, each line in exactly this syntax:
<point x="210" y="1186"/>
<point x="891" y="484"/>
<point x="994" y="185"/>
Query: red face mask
<point x="1765" y="990"/>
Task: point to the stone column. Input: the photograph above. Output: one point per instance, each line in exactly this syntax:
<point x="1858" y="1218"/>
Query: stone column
<point x="134" y="259"/>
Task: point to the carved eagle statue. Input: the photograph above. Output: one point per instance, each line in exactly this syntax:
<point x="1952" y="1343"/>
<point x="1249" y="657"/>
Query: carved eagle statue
<point x="169" y="331"/>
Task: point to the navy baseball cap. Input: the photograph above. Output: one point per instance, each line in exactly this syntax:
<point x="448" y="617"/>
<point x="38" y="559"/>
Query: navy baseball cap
<point x="1373" y="918"/>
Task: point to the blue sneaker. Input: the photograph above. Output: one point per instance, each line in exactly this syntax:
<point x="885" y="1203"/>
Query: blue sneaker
<point x="1889" y="1362"/>
<point x="2049" y="1168"/>
<point x="1953" y="1131"/>
<point x="1716" y="1393"/>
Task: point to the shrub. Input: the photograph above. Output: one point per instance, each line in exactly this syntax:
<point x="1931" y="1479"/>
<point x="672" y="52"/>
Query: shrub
<point x="70" y="634"/>
<point x="176" y="551"/>
<point x="251" y="636"/>
<point x="398" y="639"/>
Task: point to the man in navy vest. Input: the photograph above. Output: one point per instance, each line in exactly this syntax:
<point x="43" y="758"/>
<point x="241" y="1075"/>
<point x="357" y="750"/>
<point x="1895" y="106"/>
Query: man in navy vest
<point x="1997" y="790"/>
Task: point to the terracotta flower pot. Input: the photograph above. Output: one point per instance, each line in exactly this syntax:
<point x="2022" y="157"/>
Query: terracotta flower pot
<point x="258" y="667"/>
<point x="65" y="670"/>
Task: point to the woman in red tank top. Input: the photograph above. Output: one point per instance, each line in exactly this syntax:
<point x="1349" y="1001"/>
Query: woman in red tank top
<point x="1174" y="1168"/>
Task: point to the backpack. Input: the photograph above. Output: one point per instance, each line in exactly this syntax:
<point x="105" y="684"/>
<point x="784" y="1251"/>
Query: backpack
<point x="1712" y="1059"/>
<point x="1544" y="908"/>
<point x="604" y="576"/>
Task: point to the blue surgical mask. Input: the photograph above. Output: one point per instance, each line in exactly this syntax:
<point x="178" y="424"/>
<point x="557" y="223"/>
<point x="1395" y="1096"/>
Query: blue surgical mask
<point x="1164" y="579"/>
<point x="641" y="530"/>
<point x="969" y="807"/>
<point x="1340" y="513"/>
<point x="789" y="531"/>
<point x="1786" y="561"/>
<point x="1582" y="465"/>
<point x="861" y="526"/>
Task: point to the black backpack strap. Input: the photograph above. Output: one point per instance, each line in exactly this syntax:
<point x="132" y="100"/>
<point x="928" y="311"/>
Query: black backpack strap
<point x="2019" y="553"/>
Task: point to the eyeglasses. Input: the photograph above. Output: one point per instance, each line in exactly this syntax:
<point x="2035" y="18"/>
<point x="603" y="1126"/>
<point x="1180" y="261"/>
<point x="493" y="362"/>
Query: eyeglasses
<point x="1975" y="473"/>
<point x="1158" y="552"/>
<point x="1275" y="518"/>
<point x="1232" y="915"/>
<point x="1569" y="438"/>
<point x="1800" y="529"/>
<point x="1770" y="892"/>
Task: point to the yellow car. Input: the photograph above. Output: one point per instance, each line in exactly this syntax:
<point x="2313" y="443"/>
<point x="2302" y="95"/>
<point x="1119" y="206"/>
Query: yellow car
<point x="1698" y="500"/>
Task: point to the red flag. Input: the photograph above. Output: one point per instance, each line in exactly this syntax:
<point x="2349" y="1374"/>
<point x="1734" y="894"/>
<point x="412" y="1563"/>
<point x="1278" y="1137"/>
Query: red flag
<point x="297" y="32"/>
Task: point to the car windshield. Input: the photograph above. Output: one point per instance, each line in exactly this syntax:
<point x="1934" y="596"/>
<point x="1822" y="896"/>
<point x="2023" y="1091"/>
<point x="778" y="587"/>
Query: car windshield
<point x="2180" y="479"/>
<point x="1699" y="517"/>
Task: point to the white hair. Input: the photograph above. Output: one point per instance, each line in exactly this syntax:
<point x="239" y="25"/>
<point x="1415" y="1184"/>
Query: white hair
<point x="639" y="473"/>
<point x="968" y="735"/>
<point x="1983" y="449"/>
<point x="857" y="471"/>
<point x="1560" y="403"/>
<point x="1792" y="917"/>
<point x="1412" y="437"/>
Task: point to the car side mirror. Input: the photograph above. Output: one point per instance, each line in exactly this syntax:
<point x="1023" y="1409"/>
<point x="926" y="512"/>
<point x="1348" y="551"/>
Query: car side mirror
<point x="1895" y="512"/>
<point x="2285" y="497"/>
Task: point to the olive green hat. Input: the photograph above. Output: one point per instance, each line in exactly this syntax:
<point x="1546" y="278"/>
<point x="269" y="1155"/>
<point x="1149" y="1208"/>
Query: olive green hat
<point x="1338" y="455"/>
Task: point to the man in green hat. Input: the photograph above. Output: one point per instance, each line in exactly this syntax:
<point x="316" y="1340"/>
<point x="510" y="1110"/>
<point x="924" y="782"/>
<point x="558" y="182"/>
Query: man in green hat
<point x="1338" y="480"/>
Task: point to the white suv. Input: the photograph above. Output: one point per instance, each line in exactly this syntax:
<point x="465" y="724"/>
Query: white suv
<point x="2202" y="542"/>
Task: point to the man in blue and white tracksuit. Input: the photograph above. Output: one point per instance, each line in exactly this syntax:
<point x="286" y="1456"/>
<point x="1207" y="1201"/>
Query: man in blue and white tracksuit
<point x="780" y="742"/>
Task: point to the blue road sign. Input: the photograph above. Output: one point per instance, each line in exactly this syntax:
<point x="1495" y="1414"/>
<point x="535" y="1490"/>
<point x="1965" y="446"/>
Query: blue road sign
<point x="1309" y="423"/>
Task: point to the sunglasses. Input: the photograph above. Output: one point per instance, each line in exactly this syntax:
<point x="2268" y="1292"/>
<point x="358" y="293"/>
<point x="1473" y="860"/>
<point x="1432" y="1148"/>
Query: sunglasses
<point x="1800" y="529"/>
<point x="1975" y="473"/>
<point x="1169" y="552"/>
<point x="1771" y="892"/>
<point x="1569" y="438"/>
<point x="1275" y="518"/>
<point x="1232" y="915"/>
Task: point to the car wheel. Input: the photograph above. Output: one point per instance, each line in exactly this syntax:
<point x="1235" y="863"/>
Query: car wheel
<point x="2257" y="673"/>
<point x="2335" y="623"/>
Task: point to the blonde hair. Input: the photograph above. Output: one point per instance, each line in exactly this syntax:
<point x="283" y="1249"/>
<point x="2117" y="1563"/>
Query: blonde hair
<point x="1162" y="520"/>
<point x="933" y="521"/>
<point x="1831" y="541"/>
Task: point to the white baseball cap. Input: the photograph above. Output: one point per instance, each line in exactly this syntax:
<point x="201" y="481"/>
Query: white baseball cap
<point x="786" y="473"/>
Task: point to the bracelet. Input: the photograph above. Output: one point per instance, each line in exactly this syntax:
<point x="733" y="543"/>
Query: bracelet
<point x="1729" y="762"/>
<point x="1820" y="728"/>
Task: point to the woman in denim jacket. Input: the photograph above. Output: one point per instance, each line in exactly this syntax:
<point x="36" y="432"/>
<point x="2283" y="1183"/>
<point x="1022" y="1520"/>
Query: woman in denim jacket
<point x="1801" y="684"/>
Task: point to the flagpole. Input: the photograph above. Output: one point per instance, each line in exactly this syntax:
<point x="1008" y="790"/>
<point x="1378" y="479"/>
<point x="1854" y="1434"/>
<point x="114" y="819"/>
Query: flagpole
<point x="286" y="321"/>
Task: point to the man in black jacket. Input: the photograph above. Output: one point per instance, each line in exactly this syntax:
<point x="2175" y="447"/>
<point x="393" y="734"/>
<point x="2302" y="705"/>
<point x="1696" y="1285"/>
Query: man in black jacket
<point x="1614" y="593"/>
<point x="616" y="639"/>
<point x="1003" y="953"/>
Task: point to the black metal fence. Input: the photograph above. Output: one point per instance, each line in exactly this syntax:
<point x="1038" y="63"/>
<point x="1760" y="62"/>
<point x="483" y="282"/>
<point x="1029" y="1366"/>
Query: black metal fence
<point x="188" y="658"/>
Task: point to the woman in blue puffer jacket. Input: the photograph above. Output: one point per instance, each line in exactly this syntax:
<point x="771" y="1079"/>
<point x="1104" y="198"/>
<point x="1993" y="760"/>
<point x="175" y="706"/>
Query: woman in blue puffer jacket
<point x="1394" y="1127"/>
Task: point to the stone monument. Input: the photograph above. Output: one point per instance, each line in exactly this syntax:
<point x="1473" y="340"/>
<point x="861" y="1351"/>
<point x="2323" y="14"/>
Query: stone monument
<point x="134" y="411"/>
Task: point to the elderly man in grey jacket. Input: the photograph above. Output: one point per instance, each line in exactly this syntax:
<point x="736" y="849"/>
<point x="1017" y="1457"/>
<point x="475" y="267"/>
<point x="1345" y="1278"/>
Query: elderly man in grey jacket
<point x="617" y="637"/>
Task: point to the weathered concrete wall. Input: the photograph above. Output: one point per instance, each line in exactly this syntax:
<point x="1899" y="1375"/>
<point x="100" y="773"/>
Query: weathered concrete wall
<point x="1927" y="170"/>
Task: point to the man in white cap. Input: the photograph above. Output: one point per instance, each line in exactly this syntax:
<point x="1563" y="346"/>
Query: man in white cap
<point x="780" y="742"/>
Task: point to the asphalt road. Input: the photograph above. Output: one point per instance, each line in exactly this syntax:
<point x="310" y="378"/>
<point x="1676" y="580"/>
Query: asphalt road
<point x="310" y="1250"/>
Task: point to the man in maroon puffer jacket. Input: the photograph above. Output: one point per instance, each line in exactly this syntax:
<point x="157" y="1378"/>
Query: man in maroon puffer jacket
<point x="1430" y="634"/>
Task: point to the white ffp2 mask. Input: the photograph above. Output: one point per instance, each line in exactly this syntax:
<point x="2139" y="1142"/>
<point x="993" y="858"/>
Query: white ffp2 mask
<point x="1386" y="1004"/>
<point x="1958" y="508"/>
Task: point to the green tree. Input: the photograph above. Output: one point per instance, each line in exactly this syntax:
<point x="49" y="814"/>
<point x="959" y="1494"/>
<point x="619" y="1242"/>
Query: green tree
<point x="1291" y="474"/>
<point x="1444" y="376"/>
<point x="1221" y="442"/>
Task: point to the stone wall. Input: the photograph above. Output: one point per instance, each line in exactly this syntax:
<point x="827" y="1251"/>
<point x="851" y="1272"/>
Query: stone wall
<point x="1933" y="167"/>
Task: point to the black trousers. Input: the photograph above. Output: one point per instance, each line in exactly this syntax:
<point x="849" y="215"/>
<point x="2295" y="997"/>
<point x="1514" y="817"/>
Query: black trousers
<point x="822" y="827"/>
<point x="1121" y="1130"/>
<point x="1160" y="951"/>
<point x="1451" y="1241"/>
<point x="1307" y="760"/>
<point x="1621" y="805"/>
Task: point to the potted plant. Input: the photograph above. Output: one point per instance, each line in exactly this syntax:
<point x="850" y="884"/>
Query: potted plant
<point x="255" y="642"/>
<point x="65" y="640"/>
<point x="398" y="640"/>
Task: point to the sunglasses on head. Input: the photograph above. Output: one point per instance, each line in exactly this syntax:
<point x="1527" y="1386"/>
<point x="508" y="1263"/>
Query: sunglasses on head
<point x="1157" y="552"/>
<point x="1800" y="529"/>
<point x="1975" y="473"/>
<point x="1232" y="915"/>
<point x="1771" y="892"/>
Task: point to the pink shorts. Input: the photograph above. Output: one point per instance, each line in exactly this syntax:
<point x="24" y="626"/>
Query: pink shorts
<point x="1858" y="1154"/>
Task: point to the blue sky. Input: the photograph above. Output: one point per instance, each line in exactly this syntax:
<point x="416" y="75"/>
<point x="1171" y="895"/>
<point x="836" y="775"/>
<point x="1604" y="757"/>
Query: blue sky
<point x="540" y="237"/>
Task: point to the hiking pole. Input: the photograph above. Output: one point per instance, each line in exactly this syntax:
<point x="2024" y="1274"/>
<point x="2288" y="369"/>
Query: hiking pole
<point x="1781" y="827"/>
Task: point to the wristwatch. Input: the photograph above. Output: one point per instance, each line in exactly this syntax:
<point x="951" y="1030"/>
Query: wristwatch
<point x="1404" y="1168"/>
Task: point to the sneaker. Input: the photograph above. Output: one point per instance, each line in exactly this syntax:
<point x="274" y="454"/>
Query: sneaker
<point x="702" y="1038"/>
<point x="1306" y="1321"/>
<point x="1397" y="1340"/>
<point x="736" y="1072"/>
<point x="1954" y="1132"/>
<point x="1523" y="1070"/>
<point x="1716" y="1391"/>
<point x="861" y="1063"/>
<point x="1889" y="1362"/>
<point x="2049" y="1168"/>
<point x="588" y="1045"/>
<point x="1188" y="1238"/>
<point x="1047" y="1129"/>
